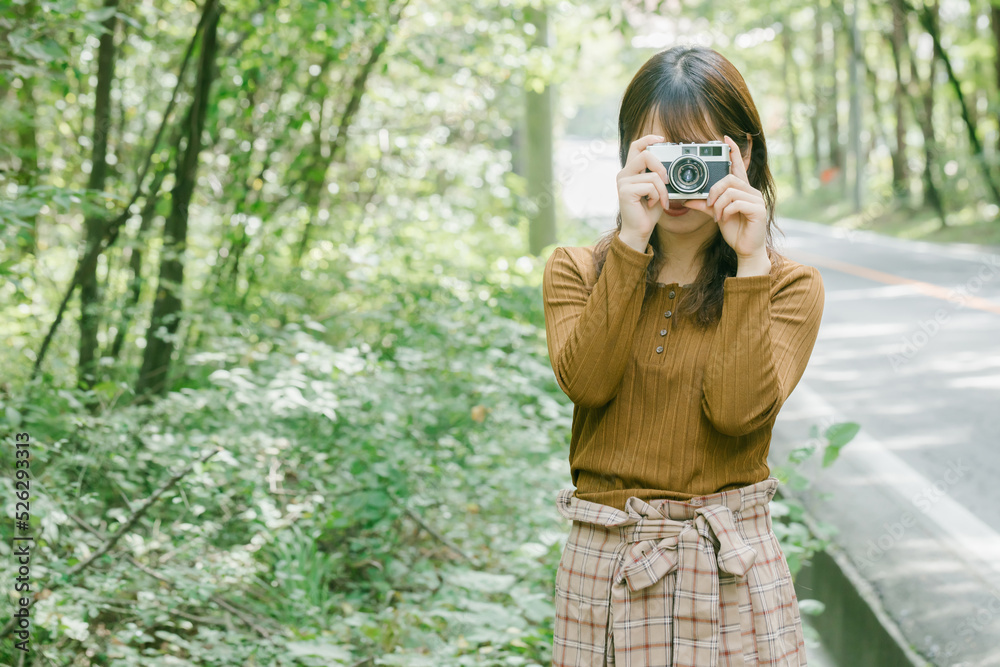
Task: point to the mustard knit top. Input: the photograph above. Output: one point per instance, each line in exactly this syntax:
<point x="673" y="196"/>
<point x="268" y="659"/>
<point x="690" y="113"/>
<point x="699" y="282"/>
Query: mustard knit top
<point x="663" y="409"/>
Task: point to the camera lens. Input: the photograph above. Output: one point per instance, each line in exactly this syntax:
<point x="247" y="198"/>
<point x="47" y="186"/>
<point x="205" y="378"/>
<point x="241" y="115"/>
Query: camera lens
<point x="688" y="174"/>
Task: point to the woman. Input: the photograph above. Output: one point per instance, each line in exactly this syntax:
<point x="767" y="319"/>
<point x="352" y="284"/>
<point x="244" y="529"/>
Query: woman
<point x="678" y="337"/>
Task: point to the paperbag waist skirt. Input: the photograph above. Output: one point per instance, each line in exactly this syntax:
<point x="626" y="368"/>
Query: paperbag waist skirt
<point x="670" y="583"/>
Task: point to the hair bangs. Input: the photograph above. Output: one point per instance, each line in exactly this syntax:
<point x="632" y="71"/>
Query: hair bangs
<point x="684" y="118"/>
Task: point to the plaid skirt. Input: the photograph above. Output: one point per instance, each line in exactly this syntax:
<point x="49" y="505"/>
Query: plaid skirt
<point x="670" y="583"/>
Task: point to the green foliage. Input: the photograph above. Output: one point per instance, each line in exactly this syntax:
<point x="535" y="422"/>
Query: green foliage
<point x="337" y="465"/>
<point x="798" y="542"/>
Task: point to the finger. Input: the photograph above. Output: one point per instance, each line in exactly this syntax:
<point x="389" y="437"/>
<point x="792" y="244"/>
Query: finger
<point x="643" y="192"/>
<point x="725" y="183"/>
<point x="654" y="180"/>
<point x="639" y="146"/>
<point x="642" y="162"/>
<point x="650" y="162"/>
<point x="726" y="198"/>
<point x="747" y="208"/>
<point x="697" y="205"/>
<point x="737" y="168"/>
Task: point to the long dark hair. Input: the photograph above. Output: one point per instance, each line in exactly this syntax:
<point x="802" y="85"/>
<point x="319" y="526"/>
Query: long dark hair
<point x="690" y="89"/>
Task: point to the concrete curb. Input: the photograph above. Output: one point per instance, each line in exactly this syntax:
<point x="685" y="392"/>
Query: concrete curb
<point x="855" y="628"/>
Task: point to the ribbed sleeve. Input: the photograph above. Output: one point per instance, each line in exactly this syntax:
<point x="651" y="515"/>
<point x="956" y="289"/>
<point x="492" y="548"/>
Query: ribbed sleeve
<point x="762" y="346"/>
<point x="589" y="333"/>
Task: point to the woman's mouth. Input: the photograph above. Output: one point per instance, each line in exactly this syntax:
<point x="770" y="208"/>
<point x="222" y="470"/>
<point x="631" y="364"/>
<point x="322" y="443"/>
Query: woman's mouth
<point x="676" y="209"/>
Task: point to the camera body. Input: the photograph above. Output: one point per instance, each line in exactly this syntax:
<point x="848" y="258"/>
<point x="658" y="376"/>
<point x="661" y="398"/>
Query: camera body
<point x="692" y="169"/>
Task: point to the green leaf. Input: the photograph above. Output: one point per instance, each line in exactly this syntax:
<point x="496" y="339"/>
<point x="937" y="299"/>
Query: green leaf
<point x="841" y="433"/>
<point x="13" y="416"/>
<point x="486" y="582"/>
<point x="800" y="454"/>
<point x="797" y="480"/>
<point x="100" y="15"/>
<point x="320" y="649"/>
<point x="830" y="455"/>
<point x="782" y="473"/>
<point x="47" y="50"/>
<point x="811" y="607"/>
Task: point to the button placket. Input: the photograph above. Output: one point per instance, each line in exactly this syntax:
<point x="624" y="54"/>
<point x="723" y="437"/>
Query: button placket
<point x="667" y="314"/>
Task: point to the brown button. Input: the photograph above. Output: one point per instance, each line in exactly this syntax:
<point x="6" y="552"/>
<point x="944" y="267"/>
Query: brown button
<point x="668" y="313"/>
<point x="671" y="294"/>
<point x="663" y="332"/>
<point x="659" y="348"/>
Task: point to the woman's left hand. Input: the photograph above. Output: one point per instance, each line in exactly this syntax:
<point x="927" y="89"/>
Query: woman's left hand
<point x="738" y="207"/>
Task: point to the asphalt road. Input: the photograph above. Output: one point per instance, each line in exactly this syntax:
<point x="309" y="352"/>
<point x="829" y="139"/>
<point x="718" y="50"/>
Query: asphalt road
<point x="909" y="348"/>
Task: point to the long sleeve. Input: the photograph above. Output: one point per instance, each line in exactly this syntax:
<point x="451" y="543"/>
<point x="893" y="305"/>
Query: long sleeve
<point x="761" y="348"/>
<point x="589" y="334"/>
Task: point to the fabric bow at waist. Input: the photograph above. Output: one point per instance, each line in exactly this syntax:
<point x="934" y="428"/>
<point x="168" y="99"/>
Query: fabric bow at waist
<point x="658" y="550"/>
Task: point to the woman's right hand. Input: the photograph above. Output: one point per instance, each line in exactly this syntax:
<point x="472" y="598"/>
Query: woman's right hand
<point x="642" y="195"/>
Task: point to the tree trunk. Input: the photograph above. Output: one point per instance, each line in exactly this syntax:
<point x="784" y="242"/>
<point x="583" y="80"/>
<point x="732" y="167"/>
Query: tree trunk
<point x="90" y="298"/>
<point x="27" y="140"/>
<point x="995" y="22"/>
<point x="900" y="176"/>
<point x="924" y="115"/>
<point x="836" y="154"/>
<point x="790" y="97"/>
<point x="135" y="265"/>
<point x="818" y="100"/>
<point x="855" y="115"/>
<point x="167" y="307"/>
<point x="930" y="24"/>
<point x="538" y="118"/>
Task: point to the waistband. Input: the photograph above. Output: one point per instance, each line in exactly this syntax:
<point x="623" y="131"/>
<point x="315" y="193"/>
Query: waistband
<point x="636" y="510"/>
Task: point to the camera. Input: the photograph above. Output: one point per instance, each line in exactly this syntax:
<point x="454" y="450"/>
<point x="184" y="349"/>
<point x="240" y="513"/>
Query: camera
<point x="692" y="169"/>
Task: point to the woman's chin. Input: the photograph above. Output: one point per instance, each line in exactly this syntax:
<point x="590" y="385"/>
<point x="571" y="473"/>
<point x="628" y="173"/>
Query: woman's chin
<point x="688" y="219"/>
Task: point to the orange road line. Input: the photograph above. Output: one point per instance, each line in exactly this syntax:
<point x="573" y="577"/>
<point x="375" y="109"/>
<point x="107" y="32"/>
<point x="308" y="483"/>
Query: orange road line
<point x="929" y="289"/>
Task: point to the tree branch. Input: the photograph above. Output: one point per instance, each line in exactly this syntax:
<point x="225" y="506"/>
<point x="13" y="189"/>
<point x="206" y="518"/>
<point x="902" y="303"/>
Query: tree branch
<point x="113" y="539"/>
